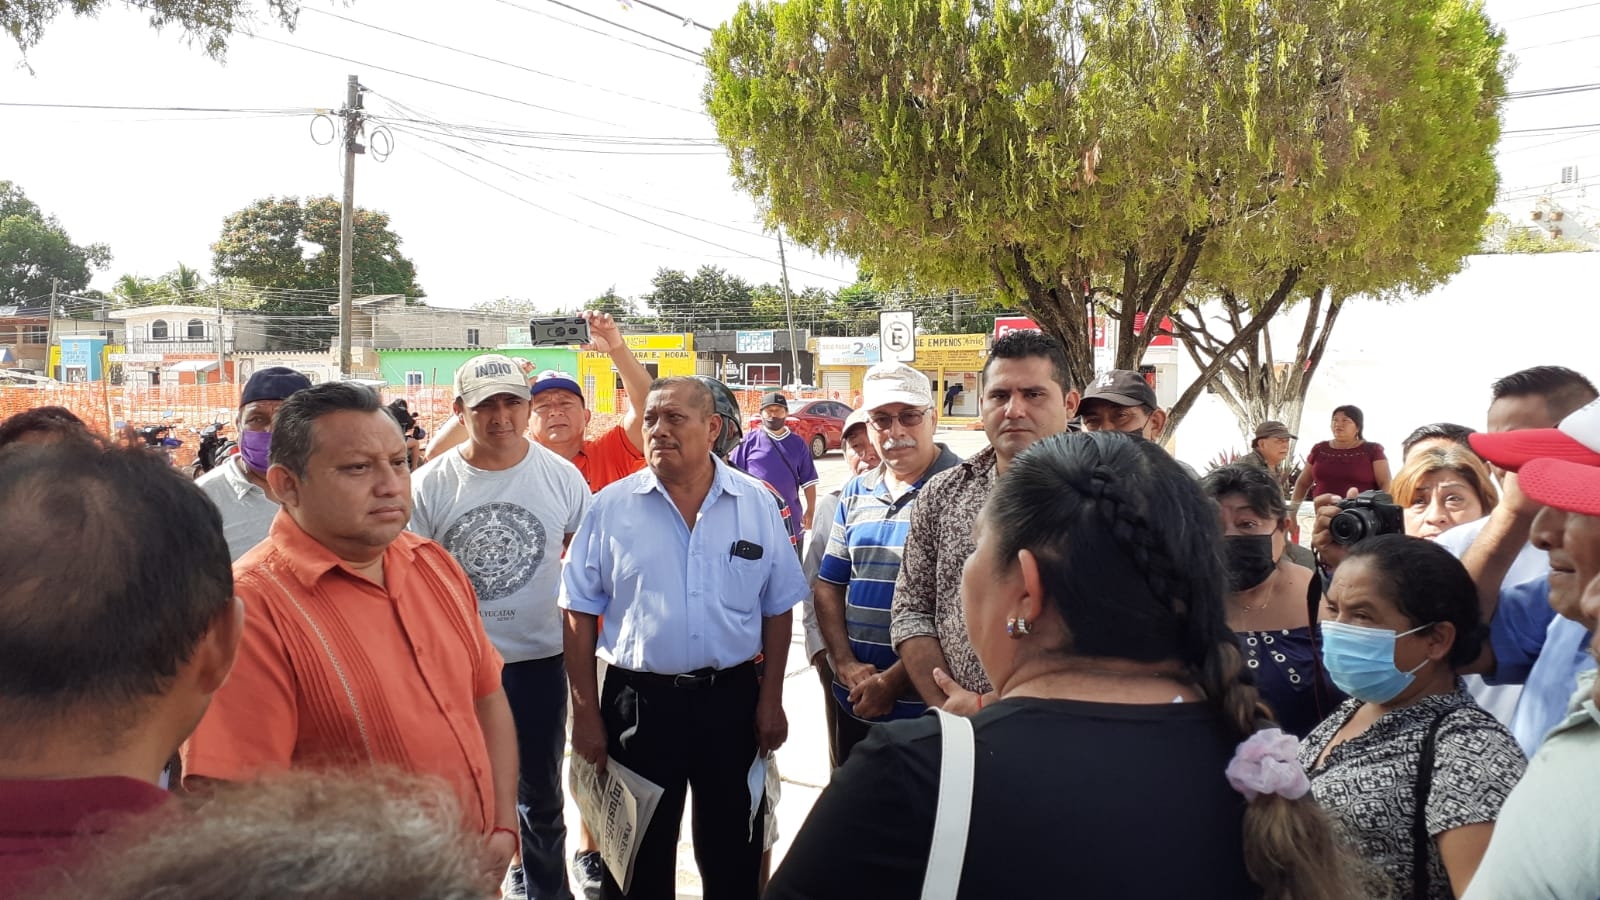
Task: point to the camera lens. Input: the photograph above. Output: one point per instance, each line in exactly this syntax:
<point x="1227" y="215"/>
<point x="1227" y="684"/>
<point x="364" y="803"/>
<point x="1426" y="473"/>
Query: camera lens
<point x="1351" y="525"/>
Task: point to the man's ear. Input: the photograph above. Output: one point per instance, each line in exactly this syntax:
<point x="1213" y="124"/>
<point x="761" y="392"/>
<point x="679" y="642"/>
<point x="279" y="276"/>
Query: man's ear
<point x="457" y="407"/>
<point x="1157" y="425"/>
<point x="1071" y="402"/>
<point x="285" y="486"/>
<point x="213" y="659"/>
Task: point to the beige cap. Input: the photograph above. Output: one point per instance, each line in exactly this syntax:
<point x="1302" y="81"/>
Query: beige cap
<point x="894" y="382"/>
<point x="482" y="377"/>
<point x="856" y="417"/>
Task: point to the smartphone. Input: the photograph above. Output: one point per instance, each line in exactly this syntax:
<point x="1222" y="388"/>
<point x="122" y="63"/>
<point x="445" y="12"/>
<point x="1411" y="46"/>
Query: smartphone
<point x="558" y="331"/>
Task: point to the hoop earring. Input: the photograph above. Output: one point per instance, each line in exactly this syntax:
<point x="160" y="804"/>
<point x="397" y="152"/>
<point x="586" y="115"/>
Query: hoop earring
<point x="1018" y="627"/>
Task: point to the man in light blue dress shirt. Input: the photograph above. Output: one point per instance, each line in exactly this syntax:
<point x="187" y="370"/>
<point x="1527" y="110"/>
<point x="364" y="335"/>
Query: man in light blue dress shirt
<point x="689" y="565"/>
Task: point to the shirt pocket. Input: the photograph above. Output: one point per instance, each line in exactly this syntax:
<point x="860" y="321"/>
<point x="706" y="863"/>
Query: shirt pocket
<point x="741" y="593"/>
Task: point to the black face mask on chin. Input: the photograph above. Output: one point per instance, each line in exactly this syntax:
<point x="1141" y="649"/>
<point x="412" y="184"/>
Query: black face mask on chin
<point x="1249" y="559"/>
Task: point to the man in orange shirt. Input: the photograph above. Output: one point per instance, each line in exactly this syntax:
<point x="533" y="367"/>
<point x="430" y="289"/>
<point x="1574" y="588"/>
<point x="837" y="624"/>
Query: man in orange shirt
<point x="560" y="417"/>
<point x="362" y="645"/>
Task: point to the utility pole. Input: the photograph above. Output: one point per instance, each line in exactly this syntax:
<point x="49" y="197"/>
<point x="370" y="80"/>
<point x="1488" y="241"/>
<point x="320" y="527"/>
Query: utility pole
<point x="222" y="363"/>
<point x="788" y="308"/>
<point x="347" y="215"/>
<point x="50" y="328"/>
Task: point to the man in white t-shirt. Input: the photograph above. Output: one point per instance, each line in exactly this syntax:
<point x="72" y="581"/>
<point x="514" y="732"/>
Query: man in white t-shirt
<point x="505" y="508"/>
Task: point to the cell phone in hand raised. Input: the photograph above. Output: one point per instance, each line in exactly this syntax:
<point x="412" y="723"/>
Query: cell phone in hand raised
<point x="559" y="331"/>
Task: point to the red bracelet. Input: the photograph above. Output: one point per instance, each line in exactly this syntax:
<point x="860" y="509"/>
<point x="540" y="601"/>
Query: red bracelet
<point x="499" y="828"/>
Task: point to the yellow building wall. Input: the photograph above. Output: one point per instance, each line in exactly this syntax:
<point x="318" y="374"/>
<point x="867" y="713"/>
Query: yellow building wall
<point x="670" y="354"/>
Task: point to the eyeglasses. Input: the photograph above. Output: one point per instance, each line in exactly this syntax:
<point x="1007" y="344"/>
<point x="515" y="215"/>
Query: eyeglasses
<point x="909" y="418"/>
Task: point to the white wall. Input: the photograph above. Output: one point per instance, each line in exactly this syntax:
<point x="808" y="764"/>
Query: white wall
<point x="1433" y="357"/>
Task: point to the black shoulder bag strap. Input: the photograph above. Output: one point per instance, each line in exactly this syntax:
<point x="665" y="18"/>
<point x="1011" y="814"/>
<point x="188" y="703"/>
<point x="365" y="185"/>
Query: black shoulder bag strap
<point x="778" y="446"/>
<point x="1420" y="839"/>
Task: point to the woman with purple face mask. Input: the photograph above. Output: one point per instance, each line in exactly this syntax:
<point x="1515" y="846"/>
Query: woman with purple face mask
<point x="1411" y="767"/>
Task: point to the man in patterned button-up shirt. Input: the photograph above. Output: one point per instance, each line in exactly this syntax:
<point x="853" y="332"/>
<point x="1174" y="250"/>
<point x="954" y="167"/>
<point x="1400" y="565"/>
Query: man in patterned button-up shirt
<point x="1027" y="396"/>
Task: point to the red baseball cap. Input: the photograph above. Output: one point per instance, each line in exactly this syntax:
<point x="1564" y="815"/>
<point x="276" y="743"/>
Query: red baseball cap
<point x="1576" y="440"/>
<point x="1562" y="484"/>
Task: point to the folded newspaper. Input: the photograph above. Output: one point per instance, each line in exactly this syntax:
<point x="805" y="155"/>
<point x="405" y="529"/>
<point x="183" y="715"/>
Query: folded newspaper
<point x="616" y="805"/>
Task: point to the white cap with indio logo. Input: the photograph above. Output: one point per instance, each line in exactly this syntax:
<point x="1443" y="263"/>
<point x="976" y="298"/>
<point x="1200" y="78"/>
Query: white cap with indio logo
<point x="482" y="377"/>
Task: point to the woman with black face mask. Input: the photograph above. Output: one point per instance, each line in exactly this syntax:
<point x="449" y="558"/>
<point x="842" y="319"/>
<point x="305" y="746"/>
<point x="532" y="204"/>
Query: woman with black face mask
<point x="1267" y="608"/>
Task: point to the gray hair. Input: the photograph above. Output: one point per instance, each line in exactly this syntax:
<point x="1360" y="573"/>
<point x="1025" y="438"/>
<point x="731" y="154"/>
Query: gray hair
<point x="299" y="834"/>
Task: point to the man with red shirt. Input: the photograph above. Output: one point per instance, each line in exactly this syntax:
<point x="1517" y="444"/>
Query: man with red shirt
<point x="559" y="416"/>
<point x="112" y="640"/>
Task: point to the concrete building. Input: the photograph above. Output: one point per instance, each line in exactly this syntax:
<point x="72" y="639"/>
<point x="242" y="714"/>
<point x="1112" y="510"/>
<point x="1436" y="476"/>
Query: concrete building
<point x="387" y="322"/>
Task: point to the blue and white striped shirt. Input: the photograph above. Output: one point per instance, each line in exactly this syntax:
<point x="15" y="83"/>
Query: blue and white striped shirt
<point x="864" y="553"/>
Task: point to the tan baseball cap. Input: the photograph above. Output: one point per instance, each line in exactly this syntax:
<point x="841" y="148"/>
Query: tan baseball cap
<point x="895" y="382"/>
<point x="482" y="377"/>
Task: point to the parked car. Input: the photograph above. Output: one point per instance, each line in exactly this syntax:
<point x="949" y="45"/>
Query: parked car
<point x="819" y="422"/>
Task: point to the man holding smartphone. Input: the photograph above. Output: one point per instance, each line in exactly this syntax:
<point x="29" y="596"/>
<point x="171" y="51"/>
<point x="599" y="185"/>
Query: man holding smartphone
<point x="559" y="415"/>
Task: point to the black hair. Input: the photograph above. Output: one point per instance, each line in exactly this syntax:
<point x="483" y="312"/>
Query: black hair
<point x="1258" y="488"/>
<point x="1438" y="430"/>
<point x="1564" y="391"/>
<point x="1023" y="344"/>
<point x="115" y="568"/>
<point x="1128" y="553"/>
<point x="1354" y="414"/>
<point x="1428" y="585"/>
<point x="293" y="437"/>
<point x="53" y="420"/>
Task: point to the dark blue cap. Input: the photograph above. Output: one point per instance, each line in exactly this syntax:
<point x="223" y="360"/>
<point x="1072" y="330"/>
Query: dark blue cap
<point x="273" y="383"/>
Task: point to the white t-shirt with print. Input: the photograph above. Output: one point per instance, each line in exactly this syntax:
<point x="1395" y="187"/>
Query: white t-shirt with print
<point x="506" y="530"/>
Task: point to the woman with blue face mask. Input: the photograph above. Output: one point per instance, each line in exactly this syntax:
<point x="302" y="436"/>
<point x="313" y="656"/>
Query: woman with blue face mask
<point x="1410" y="767"/>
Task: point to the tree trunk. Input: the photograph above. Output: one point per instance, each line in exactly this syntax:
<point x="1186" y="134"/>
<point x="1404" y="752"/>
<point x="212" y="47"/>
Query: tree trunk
<point x="1061" y="307"/>
<point x="1227" y="359"/>
<point x="1245" y="373"/>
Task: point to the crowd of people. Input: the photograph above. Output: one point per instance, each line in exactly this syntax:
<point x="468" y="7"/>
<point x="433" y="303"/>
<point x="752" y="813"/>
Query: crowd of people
<point x="1066" y="664"/>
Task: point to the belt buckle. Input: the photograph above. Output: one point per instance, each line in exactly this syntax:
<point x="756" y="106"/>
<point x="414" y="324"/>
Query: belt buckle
<point x="691" y="680"/>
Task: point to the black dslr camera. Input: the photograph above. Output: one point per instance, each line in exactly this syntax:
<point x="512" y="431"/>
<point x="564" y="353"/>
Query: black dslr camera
<point x="1366" y="514"/>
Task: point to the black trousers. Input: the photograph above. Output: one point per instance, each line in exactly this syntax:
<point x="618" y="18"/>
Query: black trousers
<point x="844" y="730"/>
<point x="681" y="737"/>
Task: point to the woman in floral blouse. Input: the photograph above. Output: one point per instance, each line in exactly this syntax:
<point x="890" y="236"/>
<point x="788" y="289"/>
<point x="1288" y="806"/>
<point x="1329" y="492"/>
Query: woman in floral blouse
<point x="1401" y="616"/>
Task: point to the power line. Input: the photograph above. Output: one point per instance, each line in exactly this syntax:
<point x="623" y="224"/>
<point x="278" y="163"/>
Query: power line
<point x="626" y="214"/>
<point x="503" y="62"/>
<point x="1586" y="37"/>
<point x="643" y="34"/>
<point x="447" y="84"/>
<point x="695" y="60"/>
<point x="1552" y="12"/>
<point x="688" y="22"/>
<point x="285" y="111"/>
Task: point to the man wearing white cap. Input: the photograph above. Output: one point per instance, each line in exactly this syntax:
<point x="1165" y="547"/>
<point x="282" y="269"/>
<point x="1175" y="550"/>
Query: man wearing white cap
<point x="854" y="588"/>
<point x="860" y="457"/>
<point x="505" y="508"/>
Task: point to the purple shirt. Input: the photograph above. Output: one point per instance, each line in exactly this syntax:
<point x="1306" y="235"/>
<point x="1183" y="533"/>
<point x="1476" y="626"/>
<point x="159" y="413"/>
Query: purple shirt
<point x="784" y="463"/>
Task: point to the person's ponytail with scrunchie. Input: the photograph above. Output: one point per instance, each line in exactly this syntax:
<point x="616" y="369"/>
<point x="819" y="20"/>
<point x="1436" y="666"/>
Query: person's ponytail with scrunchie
<point x="1129" y="549"/>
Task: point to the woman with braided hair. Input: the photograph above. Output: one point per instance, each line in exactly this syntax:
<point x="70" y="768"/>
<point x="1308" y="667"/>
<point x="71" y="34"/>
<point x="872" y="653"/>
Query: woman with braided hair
<point x="1127" y="757"/>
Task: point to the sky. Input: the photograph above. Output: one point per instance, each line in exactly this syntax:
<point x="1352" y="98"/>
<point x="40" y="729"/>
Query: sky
<point x="621" y="174"/>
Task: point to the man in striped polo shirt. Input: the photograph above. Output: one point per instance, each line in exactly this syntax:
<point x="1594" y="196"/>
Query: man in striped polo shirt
<point x="855" y="585"/>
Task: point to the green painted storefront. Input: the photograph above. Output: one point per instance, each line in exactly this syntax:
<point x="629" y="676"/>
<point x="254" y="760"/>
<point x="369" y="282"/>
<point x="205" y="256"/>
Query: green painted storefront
<point x="438" y="367"/>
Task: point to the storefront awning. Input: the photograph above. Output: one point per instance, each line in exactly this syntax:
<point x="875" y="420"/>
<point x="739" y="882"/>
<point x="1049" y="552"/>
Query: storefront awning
<point x="192" y="365"/>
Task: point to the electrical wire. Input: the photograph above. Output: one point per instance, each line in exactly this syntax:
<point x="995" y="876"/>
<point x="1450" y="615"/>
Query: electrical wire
<point x="687" y="22"/>
<point x="280" y="111"/>
<point x="1551" y="12"/>
<point x="357" y="62"/>
<point x="502" y="62"/>
<point x="605" y="34"/>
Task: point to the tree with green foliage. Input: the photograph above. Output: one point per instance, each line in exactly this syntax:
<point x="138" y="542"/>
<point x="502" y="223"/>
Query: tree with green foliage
<point x="266" y="242"/>
<point x="209" y="23"/>
<point x="35" y="251"/>
<point x="706" y="301"/>
<point x="1099" y="156"/>
<point x="618" y="306"/>
<point x="265" y="245"/>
